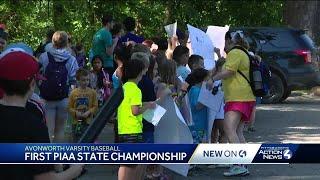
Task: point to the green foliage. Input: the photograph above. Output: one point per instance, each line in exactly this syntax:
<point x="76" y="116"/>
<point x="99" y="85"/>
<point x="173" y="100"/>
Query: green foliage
<point x="28" y="21"/>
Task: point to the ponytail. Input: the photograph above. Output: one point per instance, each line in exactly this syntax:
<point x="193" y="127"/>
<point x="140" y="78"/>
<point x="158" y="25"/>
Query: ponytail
<point x="239" y="39"/>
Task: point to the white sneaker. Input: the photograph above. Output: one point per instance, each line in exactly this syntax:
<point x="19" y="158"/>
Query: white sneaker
<point x="237" y="170"/>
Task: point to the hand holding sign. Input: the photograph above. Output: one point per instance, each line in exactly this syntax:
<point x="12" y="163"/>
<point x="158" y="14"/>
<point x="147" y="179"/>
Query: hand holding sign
<point x="171" y="29"/>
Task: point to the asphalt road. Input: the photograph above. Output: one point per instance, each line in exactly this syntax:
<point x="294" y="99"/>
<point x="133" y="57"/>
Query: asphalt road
<point x="297" y="120"/>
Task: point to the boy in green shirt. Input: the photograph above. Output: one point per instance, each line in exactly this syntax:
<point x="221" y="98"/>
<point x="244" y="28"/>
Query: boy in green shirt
<point x="130" y="115"/>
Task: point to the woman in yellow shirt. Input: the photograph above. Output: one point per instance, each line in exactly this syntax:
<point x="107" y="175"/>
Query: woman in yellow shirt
<point x="239" y="97"/>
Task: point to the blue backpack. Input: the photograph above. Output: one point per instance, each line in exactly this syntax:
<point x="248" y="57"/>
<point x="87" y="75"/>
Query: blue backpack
<point x="56" y="86"/>
<point x="260" y="75"/>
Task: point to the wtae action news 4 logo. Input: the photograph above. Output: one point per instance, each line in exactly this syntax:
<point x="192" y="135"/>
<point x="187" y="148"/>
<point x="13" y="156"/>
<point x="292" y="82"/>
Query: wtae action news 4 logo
<point x="225" y="153"/>
<point x="270" y="153"/>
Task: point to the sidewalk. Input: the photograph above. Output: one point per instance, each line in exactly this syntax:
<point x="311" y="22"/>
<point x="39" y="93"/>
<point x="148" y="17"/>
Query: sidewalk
<point x="295" y="121"/>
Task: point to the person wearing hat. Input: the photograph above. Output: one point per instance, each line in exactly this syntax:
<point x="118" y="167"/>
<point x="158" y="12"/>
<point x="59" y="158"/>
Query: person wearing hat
<point x="34" y="104"/>
<point x="18" y="74"/>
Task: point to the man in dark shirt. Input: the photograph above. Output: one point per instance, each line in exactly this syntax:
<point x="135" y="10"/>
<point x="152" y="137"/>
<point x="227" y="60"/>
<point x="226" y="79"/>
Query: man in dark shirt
<point x="130" y="24"/>
<point x="18" y="75"/>
<point x="147" y="89"/>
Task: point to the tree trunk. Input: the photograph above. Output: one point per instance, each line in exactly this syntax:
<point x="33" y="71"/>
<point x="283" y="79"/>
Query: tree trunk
<point x="58" y="17"/>
<point x="303" y="15"/>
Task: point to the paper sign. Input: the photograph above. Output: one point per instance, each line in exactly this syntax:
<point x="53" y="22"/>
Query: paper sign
<point x="154" y="115"/>
<point x="172" y="130"/>
<point x="181" y="79"/>
<point x="202" y="45"/>
<point x="217" y="36"/>
<point x="208" y="99"/>
<point x="171" y="29"/>
<point x="179" y="113"/>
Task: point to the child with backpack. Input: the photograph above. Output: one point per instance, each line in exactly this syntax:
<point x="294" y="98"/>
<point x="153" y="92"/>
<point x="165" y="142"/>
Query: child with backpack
<point x="99" y="80"/>
<point x="238" y="94"/>
<point x="83" y="104"/>
<point x="130" y="115"/>
<point x="59" y="67"/>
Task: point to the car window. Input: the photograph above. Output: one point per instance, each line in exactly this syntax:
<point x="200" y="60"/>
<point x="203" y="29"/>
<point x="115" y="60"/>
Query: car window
<point x="275" y="39"/>
<point x="283" y="39"/>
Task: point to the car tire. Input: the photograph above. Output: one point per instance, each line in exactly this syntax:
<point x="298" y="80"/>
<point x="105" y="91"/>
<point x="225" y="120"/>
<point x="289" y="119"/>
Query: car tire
<point x="277" y="90"/>
<point x="286" y="95"/>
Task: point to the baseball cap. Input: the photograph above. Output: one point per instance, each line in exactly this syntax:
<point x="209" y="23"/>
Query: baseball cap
<point x="17" y="64"/>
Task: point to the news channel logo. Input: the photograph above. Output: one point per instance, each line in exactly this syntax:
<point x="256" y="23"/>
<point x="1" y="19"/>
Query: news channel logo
<point x="275" y="153"/>
<point x="225" y="153"/>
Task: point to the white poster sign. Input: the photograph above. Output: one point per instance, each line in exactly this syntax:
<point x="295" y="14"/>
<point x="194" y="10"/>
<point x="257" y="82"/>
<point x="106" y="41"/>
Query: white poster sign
<point x="154" y="115"/>
<point x="172" y="130"/>
<point x="217" y="36"/>
<point x="171" y="29"/>
<point x="202" y="45"/>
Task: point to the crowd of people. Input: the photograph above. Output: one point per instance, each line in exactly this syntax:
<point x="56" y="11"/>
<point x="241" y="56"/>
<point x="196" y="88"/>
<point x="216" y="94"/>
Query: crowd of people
<point x="40" y="89"/>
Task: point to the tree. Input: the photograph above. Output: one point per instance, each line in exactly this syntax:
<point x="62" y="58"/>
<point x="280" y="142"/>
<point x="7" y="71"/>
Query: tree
<point x="28" y="21"/>
<point x="303" y="15"/>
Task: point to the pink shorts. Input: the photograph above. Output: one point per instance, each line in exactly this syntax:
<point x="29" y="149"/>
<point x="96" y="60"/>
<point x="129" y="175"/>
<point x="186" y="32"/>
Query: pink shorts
<point x="245" y="108"/>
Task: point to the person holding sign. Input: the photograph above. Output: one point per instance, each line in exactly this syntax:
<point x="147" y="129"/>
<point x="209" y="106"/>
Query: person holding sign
<point x="199" y="111"/>
<point x="130" y="115"/>
<point x="238" y="95"/>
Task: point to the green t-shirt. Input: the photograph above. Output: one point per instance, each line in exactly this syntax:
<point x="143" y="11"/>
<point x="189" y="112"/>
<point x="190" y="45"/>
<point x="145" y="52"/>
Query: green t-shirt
<point x="101" y="40"/>
<point x="127" y="122"/>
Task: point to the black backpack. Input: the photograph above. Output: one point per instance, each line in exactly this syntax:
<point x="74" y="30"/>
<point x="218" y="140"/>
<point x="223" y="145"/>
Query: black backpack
<point x="56" y="86"/>
<point x="260" y="75"/>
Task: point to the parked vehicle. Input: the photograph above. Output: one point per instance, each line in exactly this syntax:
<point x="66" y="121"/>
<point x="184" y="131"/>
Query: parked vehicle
<point x="291" y="55"/>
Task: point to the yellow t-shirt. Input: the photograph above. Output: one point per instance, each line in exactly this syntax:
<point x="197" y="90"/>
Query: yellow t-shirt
<point x="127" y="122"/>
<point x="83" y="100"/>
<point x="237" y="88"/>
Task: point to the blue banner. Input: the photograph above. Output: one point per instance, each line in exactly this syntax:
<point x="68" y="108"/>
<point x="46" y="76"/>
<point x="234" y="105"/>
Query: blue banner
<point x="159" y="153"/>
<point x="96" y="153"/>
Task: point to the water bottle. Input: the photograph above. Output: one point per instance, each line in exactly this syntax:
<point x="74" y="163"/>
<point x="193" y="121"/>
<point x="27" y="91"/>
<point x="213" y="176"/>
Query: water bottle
<point x="257" y="80"/>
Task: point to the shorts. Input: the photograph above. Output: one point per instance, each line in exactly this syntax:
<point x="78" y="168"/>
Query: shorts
<point x="245" y="108"/>
<point x="130" y="138"/>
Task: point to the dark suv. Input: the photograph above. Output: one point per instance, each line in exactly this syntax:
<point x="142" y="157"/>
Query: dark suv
<point x="291" y="55"/>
